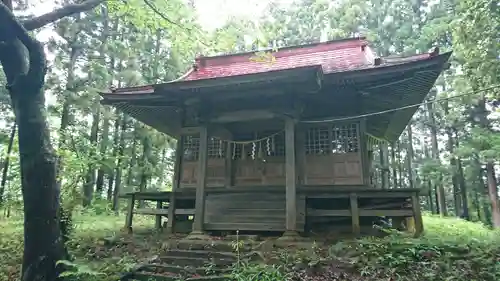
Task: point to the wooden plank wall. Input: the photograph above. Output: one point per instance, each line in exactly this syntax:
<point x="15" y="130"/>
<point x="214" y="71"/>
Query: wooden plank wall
<point x="216" y="170"/>
<point x="333" y="169"/>
<point x="252" y="211"/>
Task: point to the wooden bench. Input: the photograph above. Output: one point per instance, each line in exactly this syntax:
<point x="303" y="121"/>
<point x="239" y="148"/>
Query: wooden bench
<point x="160" y="210"/>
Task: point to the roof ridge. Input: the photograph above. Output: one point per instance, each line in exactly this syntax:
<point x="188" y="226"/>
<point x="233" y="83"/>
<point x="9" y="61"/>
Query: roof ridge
<point x="360" y="41"/>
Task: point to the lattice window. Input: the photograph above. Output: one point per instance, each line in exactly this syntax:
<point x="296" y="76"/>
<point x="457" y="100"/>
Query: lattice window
<point x="216" y="148"/>
<point x="345" y="138"/>
<point x="275" y="145"/>
<point x="191" y="146"/>
<point x="318" y="141"/>
<point x="332" y="139"/>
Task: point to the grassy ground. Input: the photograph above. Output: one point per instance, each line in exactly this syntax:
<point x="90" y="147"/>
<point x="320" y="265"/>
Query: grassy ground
<point x="451" y="249"/>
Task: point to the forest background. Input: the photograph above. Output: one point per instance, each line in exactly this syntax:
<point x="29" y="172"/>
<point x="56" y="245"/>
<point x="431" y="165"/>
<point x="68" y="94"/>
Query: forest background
<point x="452" y="145"/>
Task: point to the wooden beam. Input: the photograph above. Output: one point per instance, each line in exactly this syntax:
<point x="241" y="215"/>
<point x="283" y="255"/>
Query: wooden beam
<point x="220" y="132"/>
<point x="361" y="213"/>
<point x="291" y="176"/>
<point x="190" y="130"/>
<point x="201" y="184"/>
<point x="215" y="130"/>
<point x="243" y="115"/>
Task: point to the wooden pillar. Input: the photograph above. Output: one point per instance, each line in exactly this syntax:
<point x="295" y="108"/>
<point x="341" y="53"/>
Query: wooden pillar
<point x="159" y="206"/>
<point x="179" y="151"/>
<point x="130" y="213"/>
<point x="356" y="228"/>
<point x="199" y="215"/>
<point x="228" y="171"/>
<point x="291" y="177"/>
<point x="301" y="155"/>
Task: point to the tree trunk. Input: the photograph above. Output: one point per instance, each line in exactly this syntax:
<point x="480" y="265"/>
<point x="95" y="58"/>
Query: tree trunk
<point x="410" y="156"/>
<point x="400" y="166"/>
<point x="103" y="147"/>
<point x="133" y="156"/>
<point x="90" y="178"/>
<point x="453" y="166"/>
<point x="104" y="144"/>
<point x="43" y="243"/>
<point x="146" y="173"/>
<point x="440" y="194"/>
<point x="493" y="194"/>
<point x="394" y="166"/>
<point x="119" y="168"/>
<point x="384" y="163"/>
<point x="462" y="184"/>
<point x="116" y="136"/>
<point x="24" y="64"/>
<point x="5" y="170"/>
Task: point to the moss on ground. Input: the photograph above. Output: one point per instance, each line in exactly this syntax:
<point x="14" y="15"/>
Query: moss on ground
<point x="451" y="249"/>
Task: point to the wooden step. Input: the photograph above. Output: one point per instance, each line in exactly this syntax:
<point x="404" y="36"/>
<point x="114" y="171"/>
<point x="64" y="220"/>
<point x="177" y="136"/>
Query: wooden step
<point x="200" y="254"/>
<point x="196" y="262"/>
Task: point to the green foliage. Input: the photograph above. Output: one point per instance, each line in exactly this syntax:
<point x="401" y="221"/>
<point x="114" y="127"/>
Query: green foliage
<point x="451" y="249"/>
<point x="258" y="272"/>
<point x="77" y="271"/>
<point x="96" y="259"/>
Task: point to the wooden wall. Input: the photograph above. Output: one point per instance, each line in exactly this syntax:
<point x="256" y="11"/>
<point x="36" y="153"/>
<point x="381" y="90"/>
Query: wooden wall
<point x="255" y="211"/>
<point x="326" y="155"/>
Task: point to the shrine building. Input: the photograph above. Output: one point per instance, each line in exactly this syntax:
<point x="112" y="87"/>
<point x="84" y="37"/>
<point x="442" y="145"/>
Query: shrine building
<point x="285" y="144"/>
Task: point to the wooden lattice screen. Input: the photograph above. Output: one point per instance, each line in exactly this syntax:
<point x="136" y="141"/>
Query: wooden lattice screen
<point x="216" y="148"/>
<point x="335" y="138"/>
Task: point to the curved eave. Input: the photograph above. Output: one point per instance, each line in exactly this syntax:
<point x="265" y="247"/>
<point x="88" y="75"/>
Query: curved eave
<point x="406" y="93"/>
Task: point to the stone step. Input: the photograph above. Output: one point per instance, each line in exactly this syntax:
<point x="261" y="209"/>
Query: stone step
<point x="160" y="277"/>
<point x="183" y="270"/>
<point x="195" y="262"/>
<point x="200" y="254"/>
<point x="147" y="276"/>
<point x="210" y="246"/>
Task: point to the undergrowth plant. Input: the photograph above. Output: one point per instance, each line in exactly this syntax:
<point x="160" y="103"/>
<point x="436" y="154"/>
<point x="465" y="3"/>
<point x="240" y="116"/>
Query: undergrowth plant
<point x="246" y="271"/>
<point x="452" y="249"/>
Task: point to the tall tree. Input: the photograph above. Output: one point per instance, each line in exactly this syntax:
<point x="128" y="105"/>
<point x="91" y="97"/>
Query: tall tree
<point x="25" y="72"/>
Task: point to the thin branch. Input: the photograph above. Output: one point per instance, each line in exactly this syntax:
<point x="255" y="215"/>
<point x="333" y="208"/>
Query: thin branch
<point x="163" y="16"/>
<point x="60" y="13"/>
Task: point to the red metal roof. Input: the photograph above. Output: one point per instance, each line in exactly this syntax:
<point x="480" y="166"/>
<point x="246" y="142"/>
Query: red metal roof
<point x="333" y="56"/>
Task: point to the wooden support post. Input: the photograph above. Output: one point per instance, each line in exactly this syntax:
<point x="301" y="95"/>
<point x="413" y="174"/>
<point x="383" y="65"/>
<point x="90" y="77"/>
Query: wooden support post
<point x="228" y="171"/>
<point x="199" y="215"/>
<point x="417" y="215"/>
<point x="363" y="151"/>
<point x="291" y="178"/>
<point x="356" y="228"/>
<point x="301" y="155"/>
<point x="130" y="213"/>
<point x="175" y="184"/>
<point x="159" y="205"/>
